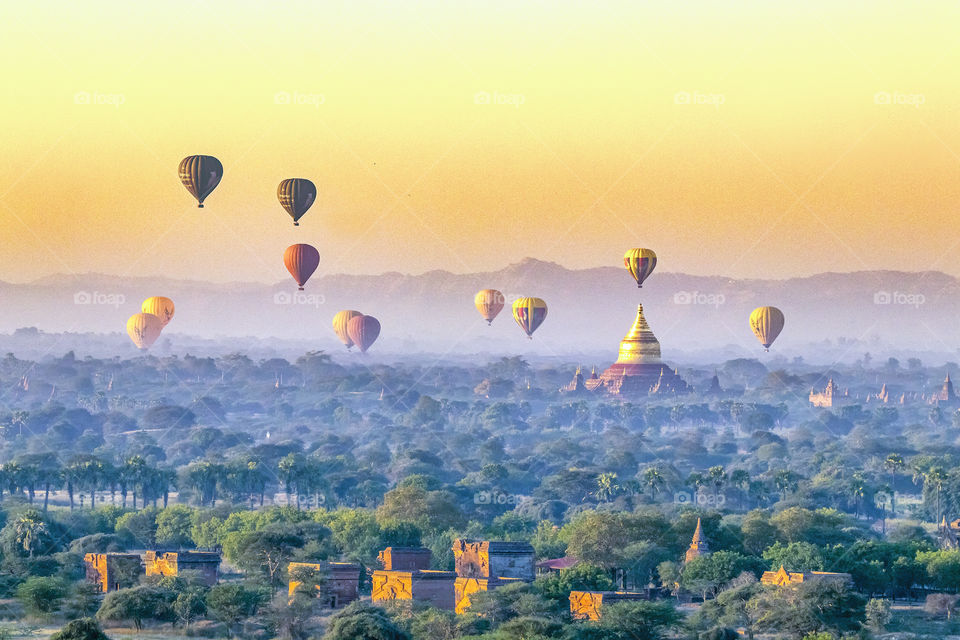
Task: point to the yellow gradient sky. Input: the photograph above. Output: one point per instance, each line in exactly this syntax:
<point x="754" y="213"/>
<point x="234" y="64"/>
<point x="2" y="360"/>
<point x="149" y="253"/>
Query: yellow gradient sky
<point x="750" y="139"/>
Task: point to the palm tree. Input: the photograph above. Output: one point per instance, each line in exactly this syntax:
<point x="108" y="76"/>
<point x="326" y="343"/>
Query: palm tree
<point x="858" y="489"/>
<point x="935" y="476"/>
<point x="740" y="478"/>
<point x="606" y="486"/>
<point x="29" y="529"/>
<point x="894" y="463"/>
<point x="696" y="480"/>
<point x="654" y="480"/>
<point x="718" y="477"/>
<point x="786" y="481"/>
<point x="134" y="472"/>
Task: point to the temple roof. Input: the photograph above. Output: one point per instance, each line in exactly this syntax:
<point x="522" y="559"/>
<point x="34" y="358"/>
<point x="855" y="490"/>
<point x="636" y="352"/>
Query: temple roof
<point x="639" y="345"/>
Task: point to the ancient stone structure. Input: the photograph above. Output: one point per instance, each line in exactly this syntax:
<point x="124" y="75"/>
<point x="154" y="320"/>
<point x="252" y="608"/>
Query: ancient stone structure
<point x="830" y="396"/>
<point x="587" y="605"/>
<point x="638" y="371"/>
<point x="404" y="558"/>
<point x="782" y="577"/>
<point x="342" y="581"/>
<point x="174" y="563"/>
<point x="698" y="546"/>
<point x="492" y="559"/>
<point x="113" y="571"/>
<point x="435" y="587"/>
<point x="464" y="587"/>
<point x="487" y="565"/>
<point x="945" y="397"/>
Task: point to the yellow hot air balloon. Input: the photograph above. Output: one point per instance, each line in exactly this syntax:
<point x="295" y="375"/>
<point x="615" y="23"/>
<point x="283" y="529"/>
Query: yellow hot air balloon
<point x="766" y="323"/>
<point x="640" y="263"/>
<point x="340" y="322"/>
<point x="160" y="307"/>
<point x="144" y="329"/>
<point x="489" y="303"/>
<point x="529" y="314"/>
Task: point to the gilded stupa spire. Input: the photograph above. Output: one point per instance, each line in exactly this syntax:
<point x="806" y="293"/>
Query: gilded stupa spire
<point x="639" y="345"/>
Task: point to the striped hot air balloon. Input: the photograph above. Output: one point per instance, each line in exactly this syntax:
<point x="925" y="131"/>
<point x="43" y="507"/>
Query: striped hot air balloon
<point x="301" y="261"/>
<point x="640" y="263"/>
<point x="160" y="307"/>
<point x="296" y="195"/>
<point x="363" y="331"/>
<point x="766" y="323"/>
<point x="340" y="325"/>
<point x="200" y="175"/>
<point x="489" y="303"/>
<point x="144" y="329"/>
<point x="529" y="314"/>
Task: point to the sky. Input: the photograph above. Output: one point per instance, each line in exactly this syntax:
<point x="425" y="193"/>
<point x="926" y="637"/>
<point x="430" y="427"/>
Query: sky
<point x="746" y="139"/>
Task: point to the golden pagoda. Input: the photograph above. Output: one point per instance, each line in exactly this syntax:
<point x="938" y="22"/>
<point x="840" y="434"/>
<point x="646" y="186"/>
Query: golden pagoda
<point x="638" y="369"/>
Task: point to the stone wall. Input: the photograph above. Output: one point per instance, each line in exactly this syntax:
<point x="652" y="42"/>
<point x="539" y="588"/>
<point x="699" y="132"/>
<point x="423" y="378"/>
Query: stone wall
<point x="491" y="559"/>
<point x="587" y="605"/>
<point x="112" y="571"/>
<point x="435" y="587"/>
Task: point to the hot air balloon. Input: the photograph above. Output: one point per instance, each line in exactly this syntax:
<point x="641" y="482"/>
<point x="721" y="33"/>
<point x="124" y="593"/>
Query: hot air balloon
<point x="640" y="263"/>
<point x="363" y="331"/>
<point x="529" y="314"/>
<point x="144" y="329"/>
<point x="301" y="261"/>
<point x="296" y="195"/>
<point x="340" y="325"/>
<point x="489" y="302"/>
<point x="200" y="175"/>
<point x="766" y="323"/>
<point x="160" y="307"/>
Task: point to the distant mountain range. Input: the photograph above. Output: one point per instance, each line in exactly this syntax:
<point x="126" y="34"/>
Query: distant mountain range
<point x="829" y="316"/>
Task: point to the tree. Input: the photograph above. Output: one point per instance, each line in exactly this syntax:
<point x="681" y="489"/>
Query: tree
<point x="878" y="615"/>
<point x="808" y="607"/>
<point x="706" y="574"/>
<point x="191" y="603"/>
<point x="653" y="479"/>
<point x="30" y="532"/>
<point x="268" y="550"/>
<point x="581" y="577"/>
<point x="361" y="620"/>
<point x="145" y="602"/>
<point x="941" y="604"/>
<point x="740" y="478"/>
<point x="631" y="621"/>
<point x="607" y="487"/>
<point x="42" y="596"/>
<point x="231" y="602"/>
<point x="81" y="629"/>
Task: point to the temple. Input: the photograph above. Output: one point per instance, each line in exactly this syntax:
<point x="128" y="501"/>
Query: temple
<point x="945" y="397"/>
<point x="698" y="545"/>
<point x="830" y="396"/>
<point x="638" y="371"/>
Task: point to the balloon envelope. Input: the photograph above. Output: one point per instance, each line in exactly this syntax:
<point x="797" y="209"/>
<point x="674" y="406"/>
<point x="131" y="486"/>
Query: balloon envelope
<point x="200" y="175"/>
<point x="766" y="323"/>
<point x="529" y="314"/>
<point x="296" y="195"/>
<point x="640" y="263"/>
<point x="489" y="303"/>
<point x="301" y="261"/>
<point x="160" y="307"/>
<point x="144" y="329"/>
<point x="363" y="330"/>
<point x="340" y="325"/>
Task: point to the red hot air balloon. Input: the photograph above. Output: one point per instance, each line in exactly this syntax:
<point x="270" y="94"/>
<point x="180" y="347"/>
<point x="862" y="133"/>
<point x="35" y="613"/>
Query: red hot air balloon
<point x="363" y="330"/>
<point x="301" y="261"/>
